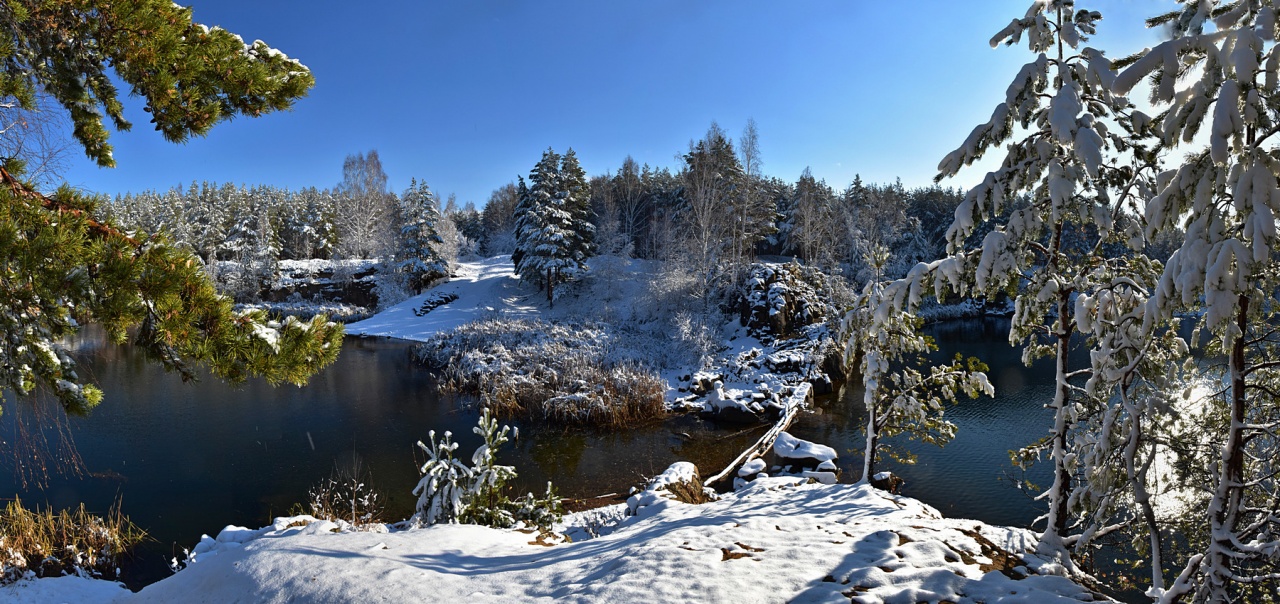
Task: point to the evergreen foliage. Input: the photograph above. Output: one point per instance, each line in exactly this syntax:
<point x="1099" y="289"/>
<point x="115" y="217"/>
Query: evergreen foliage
<point x="1080" y="163"/>
<point x="218" y="222"/>
<point x="554" y="236"/>
<point x="453" y="492"/>
<point x="714" y="184"/>
<point x="497" y="221"/>
<point x="899" y="398"/>
<point x="63" y="267"/>
<point x="1218" y="74"/>
<point x="191" y="76"/>
<point x="418" y="255"/>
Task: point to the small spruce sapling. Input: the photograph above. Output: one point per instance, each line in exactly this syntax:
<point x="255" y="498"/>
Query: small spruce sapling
<point x="452" y="492"/>
<point x="487" y="501"/>
<point x="442" y="491"/>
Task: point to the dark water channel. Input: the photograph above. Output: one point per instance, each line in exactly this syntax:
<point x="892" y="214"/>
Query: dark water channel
<point x="190" y="458"/>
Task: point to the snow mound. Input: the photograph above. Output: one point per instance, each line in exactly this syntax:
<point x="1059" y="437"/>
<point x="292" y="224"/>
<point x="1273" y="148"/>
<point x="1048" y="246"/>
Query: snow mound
<point x="790" y="447"/>
<point x="775" y="540"/>
<point x="485" y="288"/>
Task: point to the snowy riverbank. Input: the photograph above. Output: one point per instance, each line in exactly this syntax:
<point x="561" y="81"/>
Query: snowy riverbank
<point x="774" y="541"/>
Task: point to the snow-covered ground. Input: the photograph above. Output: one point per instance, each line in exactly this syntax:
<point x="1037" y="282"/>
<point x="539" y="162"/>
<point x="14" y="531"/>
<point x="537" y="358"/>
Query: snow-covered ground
<point x="483" y="288"/>
<point x="773" y="541"/>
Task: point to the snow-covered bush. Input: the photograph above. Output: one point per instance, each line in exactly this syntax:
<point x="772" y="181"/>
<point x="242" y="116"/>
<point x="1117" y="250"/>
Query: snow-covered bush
<point x="562" y="373"/>
<point x="392" y="287"/>
<point x="451" y="491"/>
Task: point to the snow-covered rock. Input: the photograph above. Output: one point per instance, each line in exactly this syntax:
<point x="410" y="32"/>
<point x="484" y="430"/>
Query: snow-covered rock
<point x="679" y="482"/>
<point x="801" y="454"/>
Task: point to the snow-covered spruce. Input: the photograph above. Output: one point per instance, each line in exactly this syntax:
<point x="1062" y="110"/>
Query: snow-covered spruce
<point x="554" y="237"/>
<point x="452" y="492"/>
<point x="419" y="256"/>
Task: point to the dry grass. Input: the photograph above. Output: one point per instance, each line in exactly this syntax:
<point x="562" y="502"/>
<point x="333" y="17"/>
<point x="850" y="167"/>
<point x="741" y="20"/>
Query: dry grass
<point x="346" y="499"/>
<point x="46" y="544"/>
<point x="555" y="373"/>
<point x="347" y="496"/>
<point x="589" y="394"/>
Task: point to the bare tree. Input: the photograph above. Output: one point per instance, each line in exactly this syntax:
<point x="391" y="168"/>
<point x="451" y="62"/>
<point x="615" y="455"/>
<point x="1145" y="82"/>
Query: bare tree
<point x="364" y="208"/>
<point x="37" y="137"/>
<point x="609" y="237"/>
<point x="630" y="198"/>
<point x="499" y="220"/>
<point x="712" y="180"/>
<point x="747" y="216"/>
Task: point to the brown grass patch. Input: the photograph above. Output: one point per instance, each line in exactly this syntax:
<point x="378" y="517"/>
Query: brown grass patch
<point x="539" y="371"/>
<point x="46" y="544"/>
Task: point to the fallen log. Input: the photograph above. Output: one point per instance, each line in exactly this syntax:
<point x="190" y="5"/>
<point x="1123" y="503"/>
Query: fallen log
<point x="792" y="406"/>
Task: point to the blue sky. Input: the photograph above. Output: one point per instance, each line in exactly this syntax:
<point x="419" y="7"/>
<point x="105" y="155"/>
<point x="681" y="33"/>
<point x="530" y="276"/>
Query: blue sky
<point x="466" y="94"/>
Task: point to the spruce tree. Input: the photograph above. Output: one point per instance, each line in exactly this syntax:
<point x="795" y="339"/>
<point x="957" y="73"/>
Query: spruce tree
<point x="519" y="226"/>
<point x="573" y="187"/>
<point x="63" y="266"/>
<point x="553" y="230"/>
<point x="418" y="253"/>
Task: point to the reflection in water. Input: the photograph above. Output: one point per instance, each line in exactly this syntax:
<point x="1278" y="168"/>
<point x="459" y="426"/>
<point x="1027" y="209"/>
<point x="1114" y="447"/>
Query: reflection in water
<point x="187" y="458"/>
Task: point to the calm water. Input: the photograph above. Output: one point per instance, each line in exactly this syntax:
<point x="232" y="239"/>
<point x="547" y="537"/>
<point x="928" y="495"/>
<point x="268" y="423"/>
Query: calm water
<point x="189" y="458"/>
<point x="972" y="476"/>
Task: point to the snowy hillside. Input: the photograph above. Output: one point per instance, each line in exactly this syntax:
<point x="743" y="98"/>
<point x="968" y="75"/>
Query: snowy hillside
<point x="486" y="287"/>
<point x="773" y="541"/>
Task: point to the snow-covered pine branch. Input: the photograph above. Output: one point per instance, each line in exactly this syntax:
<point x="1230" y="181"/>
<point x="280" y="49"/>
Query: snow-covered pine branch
<point x="1218" y="74"/>
<point x="1074" y="163"/>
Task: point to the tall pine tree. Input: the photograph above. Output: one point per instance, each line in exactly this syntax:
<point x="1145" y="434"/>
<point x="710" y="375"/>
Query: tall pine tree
<point x="1079" y="170"/>
<point x="1219" y="74"/>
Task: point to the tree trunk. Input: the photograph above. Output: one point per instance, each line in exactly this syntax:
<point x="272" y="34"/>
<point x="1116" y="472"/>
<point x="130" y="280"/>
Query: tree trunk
<point x="1051" y="542"/>
<point x="551" y="287"/>
<point x="1224" y="508"/>
<point x="873" y="441"/>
